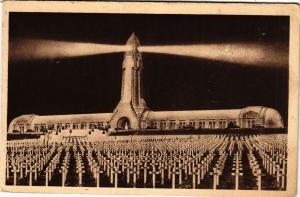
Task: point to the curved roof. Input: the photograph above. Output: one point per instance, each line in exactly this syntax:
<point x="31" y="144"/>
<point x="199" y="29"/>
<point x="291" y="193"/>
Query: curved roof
<point x="23" y="119"/>
<point x="195" y="114"/>
<point x="261" y="110"/>
<point x="75" y="118"/>
<point x="273" y="118"/>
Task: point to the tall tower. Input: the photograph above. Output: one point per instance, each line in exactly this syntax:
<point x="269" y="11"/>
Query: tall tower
<point x="132" y="105"/>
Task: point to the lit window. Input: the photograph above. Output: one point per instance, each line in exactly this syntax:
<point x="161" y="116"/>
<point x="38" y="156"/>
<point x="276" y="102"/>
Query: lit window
<point x="153" y="124"/>
<point x="192" y="124"/>
<point x="67" y="125"/>
<point x="59" y="126"/>
<point x="36" y="127"/>
<point x="214" y="124"/>
<point x="210" y="124"/>
<point x="21" y="128"/>
<point x="163" y="124"/>
<point x="100" y="125"/>
<point x="172" y="124"/>
<point x="92" y="125"/>
<point x="50" y="126"/>
<point x="75" y="126"/>
<point x="83" y="125"/>
<point x="181" y="124"/>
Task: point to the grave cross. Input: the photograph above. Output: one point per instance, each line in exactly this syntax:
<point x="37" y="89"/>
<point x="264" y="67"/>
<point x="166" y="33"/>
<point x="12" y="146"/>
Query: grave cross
<point x="15" y="170"/>
<point x="237" y="173"/>
<point x="47" y="172"/>
<point x="282" y="175"/>
<point x="116" y="172"/>
<point x="98" y="174"/>
<point x="237" y="168"/>
<point x="258" y="175"/>
<point x="80" y="171"/>
<point x="154" y="173"/>
<point x="198" y="170"/>
<point x="21" y="166"/>
<point x="215" y="175"/>
<point x="7" y="168"/>
<point x="162" y="168"/>
<point x="30" y="175"/>
<point x="145" y="168"/>
<point x="64" y="171"/>
<point x="174" y="172"/>
<point x="134" y="173"/>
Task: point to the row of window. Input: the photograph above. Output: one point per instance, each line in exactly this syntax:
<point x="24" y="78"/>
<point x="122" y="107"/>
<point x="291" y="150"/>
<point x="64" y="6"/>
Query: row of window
<point x="190" y="124"/>
<point x="61" y="126"/>
<point x="171" y="124"/>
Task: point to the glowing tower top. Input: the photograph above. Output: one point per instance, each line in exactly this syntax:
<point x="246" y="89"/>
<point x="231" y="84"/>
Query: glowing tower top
<point x="133" y="41"/>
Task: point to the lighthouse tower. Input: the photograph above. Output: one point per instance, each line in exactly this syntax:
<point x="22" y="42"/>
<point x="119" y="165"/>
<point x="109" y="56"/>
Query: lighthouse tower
<point x="132" y="105"/>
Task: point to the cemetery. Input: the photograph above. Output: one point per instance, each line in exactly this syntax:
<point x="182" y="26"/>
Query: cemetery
<point x="223" y="161"/>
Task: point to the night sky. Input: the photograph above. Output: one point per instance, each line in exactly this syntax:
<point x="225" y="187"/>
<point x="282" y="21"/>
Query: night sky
<point x="92" y="84"/>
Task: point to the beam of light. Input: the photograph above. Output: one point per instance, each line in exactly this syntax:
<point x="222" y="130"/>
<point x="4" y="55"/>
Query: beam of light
<point x="275" y="55"/>
<point x="37" y="49"/>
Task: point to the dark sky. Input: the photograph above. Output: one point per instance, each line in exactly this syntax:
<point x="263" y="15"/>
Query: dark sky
<point x="92" y="84"/>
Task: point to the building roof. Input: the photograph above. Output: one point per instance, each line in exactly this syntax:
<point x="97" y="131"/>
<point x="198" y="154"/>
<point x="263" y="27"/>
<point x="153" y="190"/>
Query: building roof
<point x="195" y="114"/>
<point x="73" y="118"/>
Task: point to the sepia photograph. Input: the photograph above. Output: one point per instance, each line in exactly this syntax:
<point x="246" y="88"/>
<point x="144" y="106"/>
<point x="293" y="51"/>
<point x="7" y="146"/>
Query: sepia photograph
<point x="151" y="101"/>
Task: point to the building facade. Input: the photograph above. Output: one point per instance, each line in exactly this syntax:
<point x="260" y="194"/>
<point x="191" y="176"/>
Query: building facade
<point x="132" y="112"/>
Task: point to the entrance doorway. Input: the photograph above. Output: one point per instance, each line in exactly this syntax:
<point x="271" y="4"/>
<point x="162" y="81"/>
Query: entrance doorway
<point x="123" y="123"/>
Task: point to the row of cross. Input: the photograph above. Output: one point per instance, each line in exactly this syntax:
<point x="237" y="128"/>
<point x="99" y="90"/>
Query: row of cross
<point x="151" y="162"/>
